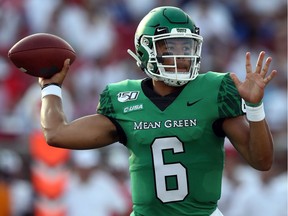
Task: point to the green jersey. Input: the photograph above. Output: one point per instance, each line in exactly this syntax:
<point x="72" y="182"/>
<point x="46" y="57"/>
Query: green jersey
<point x="177" y="159"/>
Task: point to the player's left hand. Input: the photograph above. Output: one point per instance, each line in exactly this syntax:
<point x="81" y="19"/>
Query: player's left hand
<point x="252" y="89"/>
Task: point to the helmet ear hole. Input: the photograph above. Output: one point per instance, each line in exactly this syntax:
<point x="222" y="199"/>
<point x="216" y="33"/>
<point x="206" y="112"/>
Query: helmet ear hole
<point x="146" y="42"/>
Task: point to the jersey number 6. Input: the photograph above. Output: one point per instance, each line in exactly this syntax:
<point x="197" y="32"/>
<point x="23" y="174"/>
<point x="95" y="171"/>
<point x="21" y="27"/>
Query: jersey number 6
<point x="165" y="170"/>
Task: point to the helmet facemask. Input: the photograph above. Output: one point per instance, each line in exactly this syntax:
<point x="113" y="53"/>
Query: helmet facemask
<point x="176" y="57"/>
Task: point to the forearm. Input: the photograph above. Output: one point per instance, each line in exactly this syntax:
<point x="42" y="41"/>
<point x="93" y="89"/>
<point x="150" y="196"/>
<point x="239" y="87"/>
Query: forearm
<point x="52" y="117"/>
<point x="252" y="140"/>
<point x="260" y="145"/>
<point x="260" y="138"/>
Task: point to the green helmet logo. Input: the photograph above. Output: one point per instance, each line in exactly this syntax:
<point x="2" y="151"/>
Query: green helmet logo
<point x="168" y="46"/>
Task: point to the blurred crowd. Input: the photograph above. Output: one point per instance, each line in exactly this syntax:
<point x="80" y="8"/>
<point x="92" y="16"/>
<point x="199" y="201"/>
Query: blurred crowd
<point x="101" y="31"/>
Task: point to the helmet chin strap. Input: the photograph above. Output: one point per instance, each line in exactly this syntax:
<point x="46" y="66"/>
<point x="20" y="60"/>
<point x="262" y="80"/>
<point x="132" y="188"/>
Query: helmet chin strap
<point x="138" y="61"/>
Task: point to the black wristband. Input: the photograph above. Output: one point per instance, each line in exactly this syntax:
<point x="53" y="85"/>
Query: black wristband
<point x="48" y="84"/>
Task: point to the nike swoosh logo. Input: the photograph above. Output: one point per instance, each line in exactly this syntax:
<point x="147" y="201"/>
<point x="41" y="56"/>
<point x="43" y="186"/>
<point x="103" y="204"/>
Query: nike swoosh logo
<point x="160" y="30"/>
<point x="194" y="102"/>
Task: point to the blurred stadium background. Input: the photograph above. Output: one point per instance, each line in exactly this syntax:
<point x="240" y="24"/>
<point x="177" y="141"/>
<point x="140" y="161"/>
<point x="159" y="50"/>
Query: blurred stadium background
<point x="39" y="180"/>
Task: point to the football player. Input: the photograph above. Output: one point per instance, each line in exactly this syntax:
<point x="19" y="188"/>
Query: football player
<point x="174" y="121"/>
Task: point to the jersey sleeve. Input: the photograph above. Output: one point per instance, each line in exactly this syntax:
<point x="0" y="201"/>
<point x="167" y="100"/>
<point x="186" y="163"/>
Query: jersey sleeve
<point x="105" y="107"/>
<point x="229" y="101"/>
